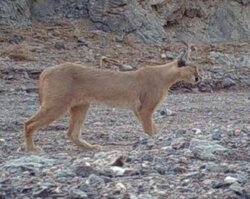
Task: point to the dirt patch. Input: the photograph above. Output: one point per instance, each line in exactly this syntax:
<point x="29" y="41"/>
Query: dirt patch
<point x="17" y="52"/>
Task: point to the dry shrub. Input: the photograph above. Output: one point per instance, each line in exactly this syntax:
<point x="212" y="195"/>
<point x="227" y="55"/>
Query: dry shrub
<point x="18" y="52"/>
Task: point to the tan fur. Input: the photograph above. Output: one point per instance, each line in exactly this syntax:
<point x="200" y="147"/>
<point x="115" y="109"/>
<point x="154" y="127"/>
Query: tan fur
<point x="73" y="87"/>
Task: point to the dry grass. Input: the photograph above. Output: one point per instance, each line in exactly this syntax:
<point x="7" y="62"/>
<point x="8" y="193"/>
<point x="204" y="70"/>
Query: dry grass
<point x="18" y="52"/>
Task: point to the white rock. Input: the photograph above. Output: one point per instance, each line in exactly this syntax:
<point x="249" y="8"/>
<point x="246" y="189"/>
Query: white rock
<point x="120" y="187"/>
<point x="170" y="113"/>
<point x="196" y="130"/>
<point x="125" y="67"/>
<point x="163" y="56"/>
<point x="118" y="171"/>
<point x="230" y="180"/>
<point x="87" y="164"/>
<point x="103" y="159"/>
<point x="165" y="148"/>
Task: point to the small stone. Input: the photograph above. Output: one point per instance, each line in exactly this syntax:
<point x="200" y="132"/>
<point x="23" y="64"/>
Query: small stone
<point x="228" y="82"/>
<point x="237" y="132"/>
<point x="178" y="143"/>
<point x="120" y="188"/>
<point x="219" y="185"/>
<point x="168" y="55"/>
<point x="25" y="75"/>
<point x="147" y="141"/>
<point x="180" y="132"/>
<point x="119" y="161"/>
<point x="84" y="171"/>
<point x="129" y="158"/>
<point x="163" y="186"/>
<point x="10" y="77"/>
<point x="59" y="45"/>
<point x="213" y="167"/>
<point x="179" y="169"/>
<point x="163" y="56"/>
<point x="66" y="173"/>
<point x="42" y="190"/>
<point x="89" y="190"/>
<point x="161" y="169"/>
<point x="2" y="140"/>
<point x="141" y="188"/>
<point x="236" y="187"/>
<point x="196" y="130"/>
<point x="147" y="157"/>
<point x="118" y="171"/>
<point x="117" y="38"/>
<point x="144" y="140"/>
<point x="230" y="180"/>
<point x="125" y="67"/>
<point x="210" y="113"/>
<point x="100" y="155"/>
<point x="205" y="149"/>
<point x="167" y="112"/>
<point x="216" y="134"/>
<point x="77" y="193"/>
<point x="94" y="179"/>
<point x="145" y="196"/>
<point x="82" y="42"/>
<point x="241" y="177"/>
<point x="108" y="158"/>
<point x="186" y="182"/>
<point x="159" y="166"/>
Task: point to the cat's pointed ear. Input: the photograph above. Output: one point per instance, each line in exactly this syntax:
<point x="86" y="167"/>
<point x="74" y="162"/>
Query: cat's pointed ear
<point x="190" y="48"/>
<point x="181" y="61"/>
<point x="183" y="58"/>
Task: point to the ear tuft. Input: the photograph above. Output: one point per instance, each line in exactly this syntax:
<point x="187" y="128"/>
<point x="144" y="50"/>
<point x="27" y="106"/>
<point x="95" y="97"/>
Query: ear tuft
<point x="181" y="63"/>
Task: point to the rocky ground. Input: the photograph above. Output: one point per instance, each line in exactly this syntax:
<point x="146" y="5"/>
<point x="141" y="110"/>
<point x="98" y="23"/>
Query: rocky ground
<point x="202" y="150"/>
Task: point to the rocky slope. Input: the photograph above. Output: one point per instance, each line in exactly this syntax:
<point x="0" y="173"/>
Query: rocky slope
<point x="153" y="22"/>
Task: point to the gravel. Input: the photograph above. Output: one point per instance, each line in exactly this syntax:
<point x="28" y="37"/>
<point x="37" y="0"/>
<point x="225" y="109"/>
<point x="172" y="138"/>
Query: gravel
<point x="202" y="149"/>
<point x="179" y="162"/>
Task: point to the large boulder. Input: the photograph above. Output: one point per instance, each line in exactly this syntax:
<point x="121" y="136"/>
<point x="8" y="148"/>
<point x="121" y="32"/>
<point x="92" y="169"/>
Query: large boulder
<point x="127" y="16"/>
